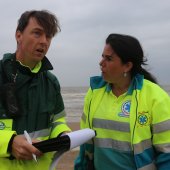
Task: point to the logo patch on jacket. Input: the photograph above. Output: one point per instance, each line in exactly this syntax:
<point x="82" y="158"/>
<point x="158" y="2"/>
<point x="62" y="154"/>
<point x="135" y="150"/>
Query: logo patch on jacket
<point x="143" y="118"/>
<point x="125" y="109"/>
<point x="2" y="125"/>
<point x="6" y="124"/>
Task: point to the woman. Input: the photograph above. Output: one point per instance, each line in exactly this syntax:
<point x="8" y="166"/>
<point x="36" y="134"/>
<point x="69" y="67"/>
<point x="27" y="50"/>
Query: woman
<point x="129" y="112"/>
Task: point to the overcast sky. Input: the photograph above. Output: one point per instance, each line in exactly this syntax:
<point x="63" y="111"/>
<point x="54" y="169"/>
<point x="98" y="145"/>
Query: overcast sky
<point x="76" y="51"/>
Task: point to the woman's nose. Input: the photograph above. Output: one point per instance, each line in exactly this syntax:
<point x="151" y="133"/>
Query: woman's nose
<point x="101" y="62"/>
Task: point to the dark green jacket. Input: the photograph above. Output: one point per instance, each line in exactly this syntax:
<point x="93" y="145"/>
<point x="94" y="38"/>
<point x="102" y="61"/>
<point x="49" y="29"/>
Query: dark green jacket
<point x="40" y="102"/>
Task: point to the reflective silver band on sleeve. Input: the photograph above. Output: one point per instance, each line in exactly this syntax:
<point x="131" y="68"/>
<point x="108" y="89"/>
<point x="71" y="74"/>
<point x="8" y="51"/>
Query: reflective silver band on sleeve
<point x="165" y="148"/>
<point x="40" y="133"/>
<point x="161" y="127"/>
<point x="59" y="115"/>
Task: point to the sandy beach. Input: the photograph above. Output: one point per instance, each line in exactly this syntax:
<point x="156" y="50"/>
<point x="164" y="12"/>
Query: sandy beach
<point x="67" y="160"/>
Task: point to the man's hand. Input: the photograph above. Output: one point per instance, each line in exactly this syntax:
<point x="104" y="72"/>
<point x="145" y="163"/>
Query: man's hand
<point x="22" y="150"/>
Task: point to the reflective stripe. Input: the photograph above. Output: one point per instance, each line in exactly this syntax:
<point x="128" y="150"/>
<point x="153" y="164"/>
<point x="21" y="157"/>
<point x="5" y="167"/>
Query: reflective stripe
<point x="40" y="133"/>
<point x="163" y="148"/>
<point x="112" y="125"/>
<point x="161" y="127"/>
<point x="114" y="144"/>
<point x="59" y="115"/>
<point x="140" y="147"/>
<point x="56" y="124"/>
<point x="148" y="167"/>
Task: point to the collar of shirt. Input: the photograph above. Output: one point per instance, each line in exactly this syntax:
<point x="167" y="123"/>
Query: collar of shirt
<point x="35" y="69"/>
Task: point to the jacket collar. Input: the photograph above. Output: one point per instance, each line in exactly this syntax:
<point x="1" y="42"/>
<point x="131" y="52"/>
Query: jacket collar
<point x="46" y="65"/>
<point x="98" y="82"/>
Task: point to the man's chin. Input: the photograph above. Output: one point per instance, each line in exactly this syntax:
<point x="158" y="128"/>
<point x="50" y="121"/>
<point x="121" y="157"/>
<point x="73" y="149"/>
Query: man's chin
<point x="39" y="57"/>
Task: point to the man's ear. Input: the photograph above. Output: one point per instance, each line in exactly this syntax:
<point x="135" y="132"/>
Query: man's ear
<point x="18" y="36"/>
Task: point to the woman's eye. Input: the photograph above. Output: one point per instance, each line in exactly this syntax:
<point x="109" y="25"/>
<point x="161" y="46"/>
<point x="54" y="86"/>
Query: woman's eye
<point x="107" y="58"/>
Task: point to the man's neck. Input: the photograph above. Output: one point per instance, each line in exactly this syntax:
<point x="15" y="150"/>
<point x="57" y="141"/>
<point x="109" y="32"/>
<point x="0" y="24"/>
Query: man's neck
<point x="25" y="62"/>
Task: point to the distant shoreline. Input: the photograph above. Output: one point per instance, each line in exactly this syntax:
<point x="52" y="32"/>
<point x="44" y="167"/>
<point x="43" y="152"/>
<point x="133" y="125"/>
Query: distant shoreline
<point x="166" y="87"/>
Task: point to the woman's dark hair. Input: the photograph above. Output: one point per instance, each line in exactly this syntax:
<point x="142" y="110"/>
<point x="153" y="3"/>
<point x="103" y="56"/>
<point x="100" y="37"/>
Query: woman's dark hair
<point x="129" y="49"/>
<point x="46" y="19"/>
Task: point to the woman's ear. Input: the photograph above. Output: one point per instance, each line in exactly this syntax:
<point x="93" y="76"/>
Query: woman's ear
<point x="129" y="66"/>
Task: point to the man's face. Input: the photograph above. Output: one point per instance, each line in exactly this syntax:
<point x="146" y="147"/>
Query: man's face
<point x="33" y="43"/>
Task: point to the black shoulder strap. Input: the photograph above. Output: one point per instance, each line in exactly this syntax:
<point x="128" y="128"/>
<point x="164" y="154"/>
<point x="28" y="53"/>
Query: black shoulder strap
<point x="4" y="71"/>
<point x="2" y="74"/>
<point x="8" y="92"/>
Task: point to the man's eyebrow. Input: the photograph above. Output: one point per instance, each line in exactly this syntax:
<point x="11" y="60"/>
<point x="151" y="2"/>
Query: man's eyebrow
<point x="43" y="31"/>
<point x="38" y="29"/>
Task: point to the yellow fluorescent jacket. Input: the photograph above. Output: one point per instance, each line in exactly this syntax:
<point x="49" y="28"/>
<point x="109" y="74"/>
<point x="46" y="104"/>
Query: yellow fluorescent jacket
<point x="149" y="121"/>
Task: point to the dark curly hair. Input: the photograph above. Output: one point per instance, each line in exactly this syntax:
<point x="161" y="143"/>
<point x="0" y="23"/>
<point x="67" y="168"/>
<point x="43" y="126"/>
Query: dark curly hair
<point x="45" y="18"/>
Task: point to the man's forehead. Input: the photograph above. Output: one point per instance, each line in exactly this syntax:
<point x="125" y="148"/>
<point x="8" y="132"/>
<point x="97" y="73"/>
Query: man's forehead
<point x="34" y="23"/>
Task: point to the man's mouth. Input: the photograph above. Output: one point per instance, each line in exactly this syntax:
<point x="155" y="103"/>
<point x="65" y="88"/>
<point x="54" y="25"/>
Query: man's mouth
<point x="40" y="50"/>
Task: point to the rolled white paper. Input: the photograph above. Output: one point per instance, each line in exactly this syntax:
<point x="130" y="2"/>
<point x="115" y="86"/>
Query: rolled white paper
<point x="79" y="137"/>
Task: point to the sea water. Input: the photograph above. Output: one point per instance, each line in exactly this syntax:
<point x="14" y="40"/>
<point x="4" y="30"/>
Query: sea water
<point x="74" y="99"/>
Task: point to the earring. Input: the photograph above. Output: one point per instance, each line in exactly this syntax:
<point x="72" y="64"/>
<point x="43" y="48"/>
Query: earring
<point x="124" y="74"/>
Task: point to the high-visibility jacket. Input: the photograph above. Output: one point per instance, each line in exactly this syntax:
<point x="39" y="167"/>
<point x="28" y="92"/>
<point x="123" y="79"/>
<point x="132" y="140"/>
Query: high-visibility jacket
<point x="149" y="124"/>
<point x="42" y="111"/>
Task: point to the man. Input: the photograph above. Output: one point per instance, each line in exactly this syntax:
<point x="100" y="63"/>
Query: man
<point x="30" y="95"/>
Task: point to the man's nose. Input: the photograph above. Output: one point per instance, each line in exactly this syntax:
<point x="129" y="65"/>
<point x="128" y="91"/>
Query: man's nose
<point x="44" y="39"/>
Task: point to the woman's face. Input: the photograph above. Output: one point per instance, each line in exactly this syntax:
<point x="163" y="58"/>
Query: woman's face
<point x="111" y="66"/>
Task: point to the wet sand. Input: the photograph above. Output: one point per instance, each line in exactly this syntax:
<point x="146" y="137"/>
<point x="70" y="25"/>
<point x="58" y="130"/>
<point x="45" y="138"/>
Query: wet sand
<point x="67" y="160"/>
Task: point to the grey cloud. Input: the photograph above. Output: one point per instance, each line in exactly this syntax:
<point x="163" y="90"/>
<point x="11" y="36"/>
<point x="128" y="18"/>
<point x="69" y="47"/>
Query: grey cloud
<point x="76" y="51"/>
